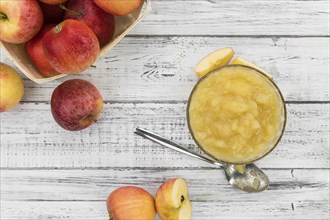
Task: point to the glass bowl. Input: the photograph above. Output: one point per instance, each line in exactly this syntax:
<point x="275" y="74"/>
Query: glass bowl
<point x="282" y="123"/>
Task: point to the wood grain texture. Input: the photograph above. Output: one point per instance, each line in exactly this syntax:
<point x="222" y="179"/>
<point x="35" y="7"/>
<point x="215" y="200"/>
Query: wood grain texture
<point x="49" y="173"/>
<point x="81" y="194"/>
<point x="33" y="139"/>
<point x="162" y="68"/>
<point x="236" y="17"/>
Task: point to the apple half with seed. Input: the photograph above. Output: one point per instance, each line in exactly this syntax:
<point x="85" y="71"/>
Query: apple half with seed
<point x="172" y="200"/>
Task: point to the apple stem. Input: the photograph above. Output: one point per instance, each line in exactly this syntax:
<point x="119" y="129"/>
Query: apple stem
<point x="3" y="16"/>
<point x="58" y="28"/>
<point x="72" y="12"/>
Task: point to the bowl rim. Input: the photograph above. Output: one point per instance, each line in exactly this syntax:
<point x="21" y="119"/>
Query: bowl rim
<point x="261" y="73"/>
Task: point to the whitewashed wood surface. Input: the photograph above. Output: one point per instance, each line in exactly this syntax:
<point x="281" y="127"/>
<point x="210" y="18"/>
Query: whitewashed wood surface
<point x="49" y="173"/>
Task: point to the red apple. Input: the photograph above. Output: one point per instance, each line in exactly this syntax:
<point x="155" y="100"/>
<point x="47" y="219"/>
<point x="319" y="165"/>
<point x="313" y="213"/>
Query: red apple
<point x="36" y="53"/>
<point x="71" y="46"/>
<point x="11" y="87"/>
<point x="119" y="7"/>
<point x="53" y="2"/>
<point x="76" y="104"/>
<point x="53" y="14"/>
<point x="131" y="202"/>
<point x="19" y="20"/>
<point x="102" y="23"/>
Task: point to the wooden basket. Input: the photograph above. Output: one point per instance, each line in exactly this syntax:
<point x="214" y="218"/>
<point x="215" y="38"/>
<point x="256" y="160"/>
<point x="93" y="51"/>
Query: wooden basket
<point x="124" y="24"/>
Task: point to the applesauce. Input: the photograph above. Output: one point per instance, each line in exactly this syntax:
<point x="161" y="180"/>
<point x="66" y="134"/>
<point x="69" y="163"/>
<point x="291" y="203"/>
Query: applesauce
<point x="236" y="114"/>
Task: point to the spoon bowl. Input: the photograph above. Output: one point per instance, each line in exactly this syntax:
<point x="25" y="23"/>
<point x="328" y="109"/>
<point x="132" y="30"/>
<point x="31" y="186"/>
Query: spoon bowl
<point x="248" y="177"/>
<point x="252" y="179"/>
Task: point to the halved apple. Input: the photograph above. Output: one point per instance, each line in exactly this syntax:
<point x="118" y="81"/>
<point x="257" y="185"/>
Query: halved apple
<point x="239" y="60"/>
<point x="172" y="200"/>
<point x="215" y="59"/>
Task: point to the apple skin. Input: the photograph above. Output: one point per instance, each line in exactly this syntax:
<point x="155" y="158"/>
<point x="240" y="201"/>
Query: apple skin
<point x="53" y="2"/>
<point x="76" y="104"/>
<point x="131" y="202"/>
<point x="19" y="20"/>
<point x="172" y="201"/>
<point x="102" y="23"/>
<point x="36" y="53"/>
<point x="71" y="46"/>
<point x="11" y="87"/>
<point x="120" y="8"/>
<point x="53" y="14"/>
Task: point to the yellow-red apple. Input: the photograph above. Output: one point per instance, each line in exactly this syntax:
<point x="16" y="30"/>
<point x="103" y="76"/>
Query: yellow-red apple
<point x="172" y="200"/>
<point x="119" y="7"/>
<point x="11" y="87"/>
<point x="102" y="23"/>
<point x="36" y="53"/>
<point x="53" y="2"/>
<point x="76" y="104"/>
<point x="19" y="20"/>
<point x="71" y="46"/>
<point x="131" y="202"/>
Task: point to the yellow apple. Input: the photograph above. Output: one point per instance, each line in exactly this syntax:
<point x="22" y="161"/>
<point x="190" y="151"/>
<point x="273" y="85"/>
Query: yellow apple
<point x="214" y="60"/>
<point x="241" y="61"/>
<point x="11" y="87"/>
<point x="131" y="202"/>
<point x="172" y="200"/>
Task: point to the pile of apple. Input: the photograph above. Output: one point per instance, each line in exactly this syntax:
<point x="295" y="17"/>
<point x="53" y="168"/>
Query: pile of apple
<point x="62" y="36"/>
<point x="171" y="202"/>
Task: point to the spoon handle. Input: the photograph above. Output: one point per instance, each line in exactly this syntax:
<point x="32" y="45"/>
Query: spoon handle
<point x="174" y="146"/>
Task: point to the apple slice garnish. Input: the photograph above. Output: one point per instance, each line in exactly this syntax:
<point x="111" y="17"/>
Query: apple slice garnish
<point x="241" y="61"/>
<point x="215" y="59"/>
<point x="172" y="200"/>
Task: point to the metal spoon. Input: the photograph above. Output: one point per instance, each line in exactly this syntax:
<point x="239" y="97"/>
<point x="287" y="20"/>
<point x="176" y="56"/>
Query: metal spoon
<point x="249" y="179"/>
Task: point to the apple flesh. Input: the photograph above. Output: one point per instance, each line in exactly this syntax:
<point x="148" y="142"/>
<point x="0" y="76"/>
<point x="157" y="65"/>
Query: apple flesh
<point x="76" y="104"/>
<point x="102" y="23"/>
<point x="241" y="61"/>
<point x="131" y="202"/>
<point x="11" y="87"/>
<point x="172" y="201"/>
<point x="122" y="7"/>
<point x="214" y="60"/>
<point x="36" y="53"/>
<point x="70" y="47"/>
<point x="19" y="20"/>
<point x="53" y="2"/>
<point x="53" y="14"/>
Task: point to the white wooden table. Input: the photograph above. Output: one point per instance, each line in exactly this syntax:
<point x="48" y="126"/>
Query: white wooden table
<point x="50" y="173"/>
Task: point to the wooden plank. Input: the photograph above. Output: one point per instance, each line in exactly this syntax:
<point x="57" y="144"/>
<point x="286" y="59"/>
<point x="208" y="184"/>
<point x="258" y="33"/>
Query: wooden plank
<point x="163" y="69"/>
<point x="237" y="17"/>
<point x="31" y="138"/>
<point x="81" y="194"/>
